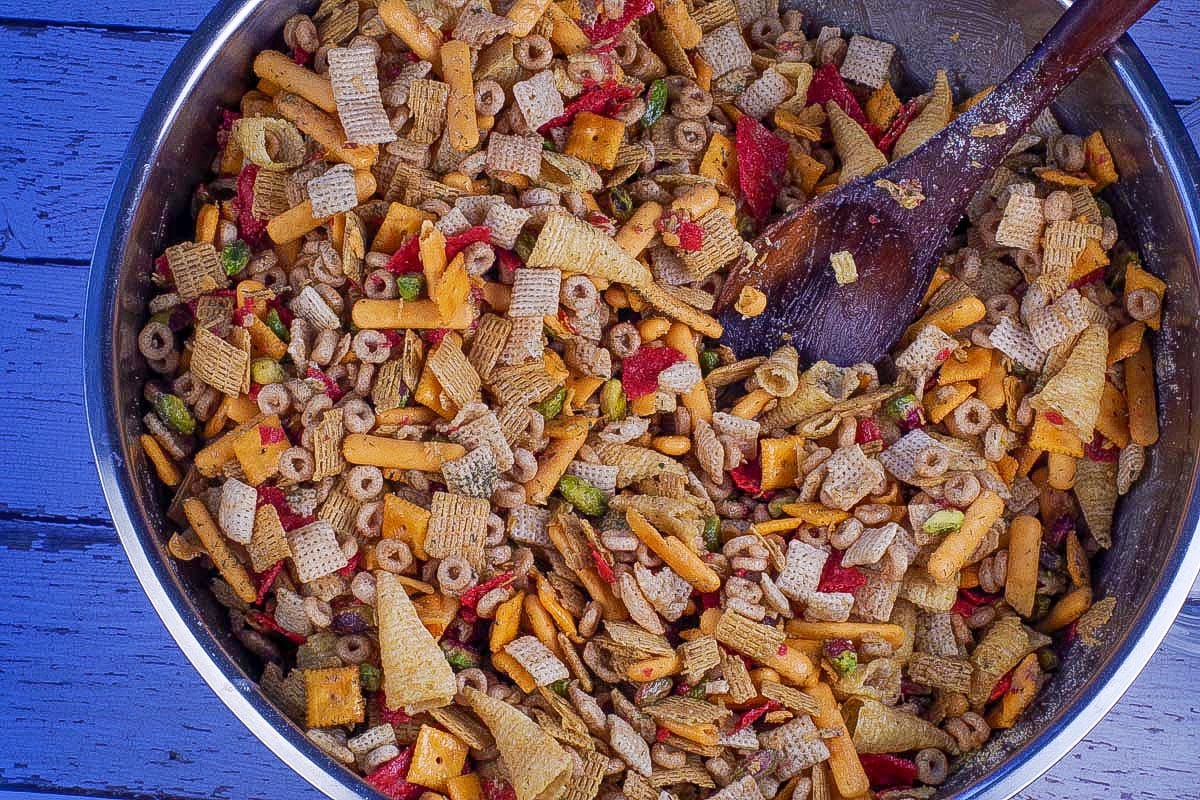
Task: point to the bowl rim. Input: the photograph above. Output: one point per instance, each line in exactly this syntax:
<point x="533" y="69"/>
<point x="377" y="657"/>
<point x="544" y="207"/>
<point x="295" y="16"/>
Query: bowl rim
<point x="242" y="696"/>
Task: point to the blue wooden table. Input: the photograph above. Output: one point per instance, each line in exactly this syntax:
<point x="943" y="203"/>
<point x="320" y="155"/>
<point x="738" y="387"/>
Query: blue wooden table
<point x="95" y="700"/>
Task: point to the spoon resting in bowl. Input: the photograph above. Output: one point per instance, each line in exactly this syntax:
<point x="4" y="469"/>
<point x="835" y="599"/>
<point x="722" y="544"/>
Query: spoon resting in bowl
<point x="895" y="246"/>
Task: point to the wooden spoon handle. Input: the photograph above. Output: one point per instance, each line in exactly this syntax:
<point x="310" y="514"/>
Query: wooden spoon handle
<point x="1083" y="33"/>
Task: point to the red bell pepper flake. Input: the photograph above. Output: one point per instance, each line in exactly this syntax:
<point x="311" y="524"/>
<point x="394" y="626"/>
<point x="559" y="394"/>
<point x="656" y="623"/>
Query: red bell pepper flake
<point x="270" y="435"/>
<point x="274" y="496"/>
<point x="470" y="598"/>
<point x="565" y="319"/>
<point x="661" y="734"/>
<point x="301" y="56"/>
<point x="331" y="388"/>
<point x="507" y="259"/>
<point x="762" y="163"/>
<point x="351" y="565"/>
<point x="639" y="372"/>
<point x="835" y="647"/>
<point x="970" y="599"/>
<point x="1100" y="449"/>
<point x="1092" y="277"/>
<point x="408" y="258"/>
<point x="899" y="125"/>
<point x="397" y="717"/>
<point x="163" y="269"/>
<point x="498" y="790"/>
<point x="827" y="84"/>
<point x="836" y="578"/>
<point x="748" y="477"/>
<point x="391" y="779"/>
<point x="608" y="28"/>
<point x="255" y="390"/>
<point x="868" y="431"/>
<point x="604" y="100"/>
<point x="602" y="567"/>
<point x="1002" y="686"/>
<point x="435" y="335"/>
<point x="691" y="236"/>
<point x="710" y="600"/>
<point x="886" y="771"/>
<point x="267" y="622"/>
<point x="1054" y="535"/>
<point x="1053" y="417"/>
<point x="251" y="229"/>
<point x="754" y="715"/>
<point x="264" y="580"/>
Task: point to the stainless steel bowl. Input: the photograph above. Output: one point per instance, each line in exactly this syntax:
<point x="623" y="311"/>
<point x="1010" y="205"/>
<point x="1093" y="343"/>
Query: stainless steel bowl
<point x="1156" y="556"/>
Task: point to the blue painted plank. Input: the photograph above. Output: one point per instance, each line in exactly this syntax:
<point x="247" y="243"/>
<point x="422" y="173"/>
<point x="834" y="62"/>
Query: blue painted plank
<point x="96" y="699"/>
<point x="72" y="105"/>
<point x="41" y="374"/>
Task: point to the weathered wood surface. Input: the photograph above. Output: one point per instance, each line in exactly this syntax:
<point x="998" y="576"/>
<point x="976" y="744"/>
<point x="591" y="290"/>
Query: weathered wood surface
<point x="95" y="700"/>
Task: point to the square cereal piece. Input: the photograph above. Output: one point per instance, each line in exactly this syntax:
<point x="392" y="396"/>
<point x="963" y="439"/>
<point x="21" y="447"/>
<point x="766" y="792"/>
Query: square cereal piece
<point x="315" y="551"/>
<point x="538" y="99"/>
<point x="236" y="512"/>
<point x="521" y="384"/>
<point x="724" y="49"/>
<point x="454" y="372"/>
<point x="268" y="544"/>
<point x="474" y="474"/>
<point x="457" y="526"/>
<point x="529" y="525"/>
<point x="427" y="103"/>
<point x="509" y="155"/>
<point x="535" y="292"/>
<point x="748" y="637"/>
<point x="802" y="571"/>
<point x="797" y="745"/>
<point x="699" y="656"/>
<point x="537" y="659"/>
<point x="327" y="444"/>
<point x="333" y="192"/>
<point x="355" y="80"/>
<point x="333" y="697"/>
<point x="437" y="757"/>
<point x="1022" y="223"/>
<point x="259" y="449"/>
<point x="595" y="139"/>
<point x="868" y="61"/>
<point x="505" y="223"/>
<point x="196" y="269"/>
<point x="765" y="94"/>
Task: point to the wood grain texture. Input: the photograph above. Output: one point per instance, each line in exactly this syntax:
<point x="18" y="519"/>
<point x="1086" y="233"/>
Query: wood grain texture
<point x="96" y="702"/>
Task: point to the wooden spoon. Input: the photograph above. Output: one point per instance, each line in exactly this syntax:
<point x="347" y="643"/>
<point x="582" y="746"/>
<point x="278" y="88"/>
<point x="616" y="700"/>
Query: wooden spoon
<point x="896" y="250"/>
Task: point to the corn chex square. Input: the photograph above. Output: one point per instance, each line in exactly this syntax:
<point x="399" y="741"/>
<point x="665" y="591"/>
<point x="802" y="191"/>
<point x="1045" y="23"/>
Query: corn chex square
<point x="236" y="512"/>
<point x="427" y="104"/>
<point x="457" y="526"/>
<point x="218" y="363"/>
<point x="538" y="661"/>
<point x="454" y="372"/>
<point x="538" y="99"/>
<point x="268" y="543"/>
<point x="196" y="269"/>
<point x="868" y="61"/>
<point x="521" y="155"/>
<point x="360" y="108"/>
<point x="529" y="525"/>
<point x="797" y="744"/>
<point x="315" y="551"/>
<point x="802" y="571"/>
<point x="535" y="292"/>
<point x="327" y="444"/>
<point x="505" y="224"/>
<point x="488" y="342"/>
<point x="748" y="637"/>
<point x="1022" y="223"/>
<point x="333" y="192"/>
<point x="724" y="49"/>
<point x="474" y="474"/>
<point x="765" y="94"/>
<point x="521" y="384"/>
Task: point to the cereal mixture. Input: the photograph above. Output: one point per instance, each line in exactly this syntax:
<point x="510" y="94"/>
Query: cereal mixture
<point x="441" y="400"/>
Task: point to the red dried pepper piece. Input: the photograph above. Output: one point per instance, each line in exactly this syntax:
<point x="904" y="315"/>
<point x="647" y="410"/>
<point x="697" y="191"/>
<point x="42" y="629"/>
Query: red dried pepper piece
<point x="1002" y="686"/>
<point x="507" y="259"/>
<point x="1054" y="535"/>
<point x="1092" y="277"/>
<point x="603" y="99"/>
<point x="639" y="372"/>
<point x="899" y="125"/>
<point x="868" y="431"/>
<point x="435" y="335"/>
<point x="608" y="28"/>
<point x="351" y="565"/>
<point x="391" y="779"/>
<point x="470" y="598"/>
<point x="397" y="717"/>
<point x="661" y="734"/>
<point x="1100" y="449"/>
<point x="408" y="258"/>
<point x="251" y="229"/>
<point x="274" y="496"/>
<point x="301" y="56"/>
<point x="710" y="600"/>
<point x="691" y="236"/>
<point x="270" y="435"/>
<point x="836" y="578"/>
<point x="828" y="84"/>
<point x="762" y="163"/>
<point x="602" y="568"/>
<point x="970" y="599"/>
<point x="886" y="771"/>
<point x="498" y="790"/>
<point x="752" y="716"/>
<point x="163" y="269"/>
<point x="748" y="477"/>
<point x="1053" y="417"/>
<point x="331" y="388"/>
<point x="267" y="622"/>
<point x="263" y="581"/>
